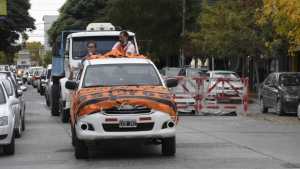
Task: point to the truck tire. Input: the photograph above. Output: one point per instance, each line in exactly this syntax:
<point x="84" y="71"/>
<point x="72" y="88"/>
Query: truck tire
<point x="168" y="146"/>
<point x="55" y="99"/>
<point x="65" y="116"/>
<point x="10" y="148"/>
<point x="81" y="150"/>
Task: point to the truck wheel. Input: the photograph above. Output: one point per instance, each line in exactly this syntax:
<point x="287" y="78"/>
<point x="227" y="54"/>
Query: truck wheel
<point x="73" y="136"/>
<point x="168" y="146"/>
<point x="10" y="148"/>
<point x="65" y="115"/>
<point x="81" y="150"/>
<point x="55" y="99"/>
<point x="47" y="101"/>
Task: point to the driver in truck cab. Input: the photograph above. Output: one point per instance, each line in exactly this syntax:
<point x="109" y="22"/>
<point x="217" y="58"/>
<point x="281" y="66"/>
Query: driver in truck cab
<point x="124" y="45"/>
<point x="91" y="50"/>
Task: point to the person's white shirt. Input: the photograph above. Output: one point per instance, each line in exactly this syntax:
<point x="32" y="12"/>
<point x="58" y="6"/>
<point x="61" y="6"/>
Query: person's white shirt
<point x="129" y="48"/>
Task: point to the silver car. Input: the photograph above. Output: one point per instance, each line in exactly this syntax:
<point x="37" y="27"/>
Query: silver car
<point x="14" y="91"/>
<point x="8" y="111"/>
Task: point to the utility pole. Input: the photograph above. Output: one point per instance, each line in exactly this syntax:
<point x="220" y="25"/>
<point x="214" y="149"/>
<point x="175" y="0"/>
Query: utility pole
<point x="182" y="59"/>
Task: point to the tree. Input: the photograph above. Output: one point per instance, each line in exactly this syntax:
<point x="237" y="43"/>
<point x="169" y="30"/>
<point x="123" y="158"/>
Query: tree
<point x="284" y="18"/>
<point x="157" y="23"/>
<point x="76" y="15"/>
<point x="35" y="50"/>
<point x="17" y="21"/>
<point x="47" y="58"/>
<point x="228" y="30"/>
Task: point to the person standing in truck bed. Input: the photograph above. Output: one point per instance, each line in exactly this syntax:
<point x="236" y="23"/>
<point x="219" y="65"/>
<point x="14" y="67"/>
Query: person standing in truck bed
<point x="124" y="45"/>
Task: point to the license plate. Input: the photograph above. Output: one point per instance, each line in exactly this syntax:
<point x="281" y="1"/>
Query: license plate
<point x="127" y="124"/>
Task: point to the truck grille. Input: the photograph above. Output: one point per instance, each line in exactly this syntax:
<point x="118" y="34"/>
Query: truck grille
<point x="116" y="128"/>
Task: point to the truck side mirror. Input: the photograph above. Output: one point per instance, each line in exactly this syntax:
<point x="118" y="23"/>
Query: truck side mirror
<point x="72" y="85"/>
<point x="171" y="82"/>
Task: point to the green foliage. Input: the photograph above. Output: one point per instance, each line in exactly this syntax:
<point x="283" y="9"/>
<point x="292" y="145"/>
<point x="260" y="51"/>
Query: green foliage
<point x="17" y="21"/>
<point x="158" y="23"/>
<point x="47" y="59"/>
<point x="76" y="15"/>
<point x="228" y="29"/>
<point x="35" y="50"/>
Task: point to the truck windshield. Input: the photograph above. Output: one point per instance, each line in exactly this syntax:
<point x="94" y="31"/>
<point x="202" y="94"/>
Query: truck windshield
<point x="121" y="75"/>
<point x="104" y="44"/>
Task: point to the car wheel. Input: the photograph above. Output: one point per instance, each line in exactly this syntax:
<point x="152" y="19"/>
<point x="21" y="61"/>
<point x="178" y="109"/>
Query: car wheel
<point x="81" y="150"/>
<point x="18" y="131"/>
<point x="10" y="148"/>
<point x="263" y="109"/>
<point x="168" y="146"/>
<point x="23" y="121"/>
<point x="47" y="101"/>
<point x="55" y="99"/>
<point x="279" y="109"/>
<point x="298" y="112"/>
<point x="65" y="115"/>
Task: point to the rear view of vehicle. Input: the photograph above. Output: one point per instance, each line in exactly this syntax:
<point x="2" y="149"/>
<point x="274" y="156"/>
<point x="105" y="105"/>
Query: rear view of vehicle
<point x="7" y="121"/>
<point x="122" y="99"/>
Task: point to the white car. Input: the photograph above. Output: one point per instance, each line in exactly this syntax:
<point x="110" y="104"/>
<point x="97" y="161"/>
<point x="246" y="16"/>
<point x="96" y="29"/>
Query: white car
<point x="144" y="109"/>
<point x="8" y="111"/>
<point x="231" y="88"/>
<point x="15" y="92"/>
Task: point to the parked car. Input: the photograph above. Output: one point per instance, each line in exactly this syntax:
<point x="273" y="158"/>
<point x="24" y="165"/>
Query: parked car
<point x="280" y="91"/>
<point x="8" y="111"/>
<point x="16" y="91"/>
<point x="48" y="85"/>
<point x="231" y="90"/>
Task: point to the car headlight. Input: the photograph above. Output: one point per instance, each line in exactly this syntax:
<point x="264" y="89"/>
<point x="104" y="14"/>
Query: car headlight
<point x="290" y="97"/>
<point x="3" y="120"/>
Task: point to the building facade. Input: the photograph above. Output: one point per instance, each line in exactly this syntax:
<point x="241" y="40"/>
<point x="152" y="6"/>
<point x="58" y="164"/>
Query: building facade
<point x="48" y="21"/>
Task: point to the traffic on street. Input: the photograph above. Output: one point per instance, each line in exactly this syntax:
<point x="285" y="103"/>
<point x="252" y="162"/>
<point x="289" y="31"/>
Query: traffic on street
<point x="131" y="84"/>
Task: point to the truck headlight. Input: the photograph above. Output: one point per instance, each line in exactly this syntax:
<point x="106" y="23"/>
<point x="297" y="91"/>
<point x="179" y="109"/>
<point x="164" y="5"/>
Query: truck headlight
<point x="3" y="120"/>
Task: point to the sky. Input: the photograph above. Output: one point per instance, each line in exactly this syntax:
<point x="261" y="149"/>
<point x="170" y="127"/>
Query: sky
<point x="39" y="8"/>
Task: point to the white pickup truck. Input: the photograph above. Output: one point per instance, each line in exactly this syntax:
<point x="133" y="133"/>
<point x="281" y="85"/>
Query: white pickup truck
<point x="122" y="99"/>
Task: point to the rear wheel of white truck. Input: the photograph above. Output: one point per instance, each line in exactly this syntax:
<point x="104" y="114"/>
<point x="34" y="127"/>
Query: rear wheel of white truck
<point x="55" y="92"/>
<point x="168" y="146"/>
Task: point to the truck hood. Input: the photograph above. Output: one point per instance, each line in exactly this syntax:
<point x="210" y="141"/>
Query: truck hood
<point x="96" y="99"/>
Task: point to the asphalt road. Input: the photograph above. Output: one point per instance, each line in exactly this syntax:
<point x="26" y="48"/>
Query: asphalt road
<point x="202" y="142"/>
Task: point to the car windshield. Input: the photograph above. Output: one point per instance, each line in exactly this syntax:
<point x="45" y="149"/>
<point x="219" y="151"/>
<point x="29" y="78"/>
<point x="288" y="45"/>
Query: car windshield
<point x="103" y="45"/>
<point x="290" y="80"/>
<point x="228" y="75"/>
<point x="121" y="75"/>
